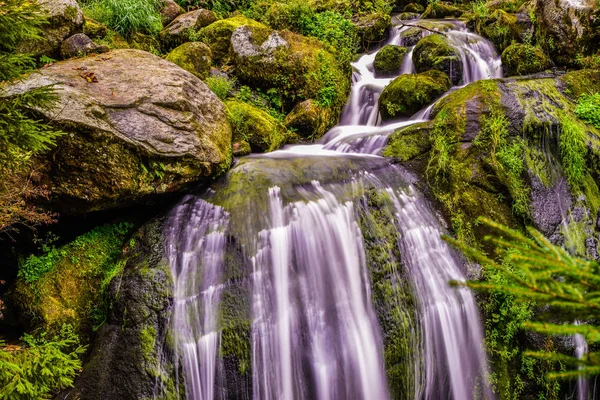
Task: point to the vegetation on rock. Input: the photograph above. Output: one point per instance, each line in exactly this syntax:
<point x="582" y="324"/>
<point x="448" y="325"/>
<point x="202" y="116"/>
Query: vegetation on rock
<point x="434" y="52"/>
<point x="524" y="59"/>
<point x="389" y="59"/>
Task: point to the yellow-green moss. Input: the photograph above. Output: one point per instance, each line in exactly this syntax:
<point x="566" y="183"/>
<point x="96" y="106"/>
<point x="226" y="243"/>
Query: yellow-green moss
<point x="524" y="59"/>
<point x="388" y="61"/>
<point x="408" y="143"/>
<point x="218" y="34"/>
<point x="407" y="94"/>
<point x="194" y="57"/>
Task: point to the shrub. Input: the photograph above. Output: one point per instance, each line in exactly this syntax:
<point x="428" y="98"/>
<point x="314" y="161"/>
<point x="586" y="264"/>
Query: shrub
<point x="588" y="108"/>
<point x="40" y="368"/>
<point x="220" y="85"/>
<point x="127" y="16"/>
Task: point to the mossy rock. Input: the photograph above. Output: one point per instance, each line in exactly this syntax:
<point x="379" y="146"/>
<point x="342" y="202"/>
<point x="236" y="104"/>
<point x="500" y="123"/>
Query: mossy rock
<point x="579" y="82"/>
<point x="408" y="94"/>
<point x="524" y="59"/>
<point x="144" y="42"/>
<point x="94" y="29"/>
<point x="372" y="28"/>
<point x="411" y="36"/>
<point x="66" y="285"/>
<point x="388" y="61"/>
<point x="241" y="148"/>
<point x="218" y="35"/>
<point x="297" y="67"/>
<point x="405" y="16"/>
<point x="194" y="57"/>
<point x="185" y="27"/>
<point x="253" y="125"/>
<point x="414" y="8"/>
<point x="503" y="29"/>
<point x="441" y="10"/>
<point x="408" y="143"/>
<point x="113" y="40"/>
<point x="435" y="52"/>
<point x="310" y="120"/>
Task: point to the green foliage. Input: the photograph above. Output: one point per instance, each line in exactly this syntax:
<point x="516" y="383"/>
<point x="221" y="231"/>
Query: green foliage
<point x="84" y="267"/>
<point x="41" y="367"/>
<point x="588" y="108"/>
<point x="534" y="270"/>
<point x="127" y="16"/>
<point x="573" y="149"/>
<point x="220" y="85"/>
<point x="269" y="101"/>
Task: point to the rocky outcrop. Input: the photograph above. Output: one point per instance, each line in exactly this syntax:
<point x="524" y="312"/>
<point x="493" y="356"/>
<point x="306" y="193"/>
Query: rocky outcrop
<point x="572" y="25"/>
<point x="128" y="359"/>
<point x="183" y="28"/>
<point x="65" y="18"/>
<point x="136" y="126"/>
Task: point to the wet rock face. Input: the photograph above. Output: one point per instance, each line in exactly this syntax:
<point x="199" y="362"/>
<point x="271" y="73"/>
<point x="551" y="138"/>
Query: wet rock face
<point x="137" y="126"/>
<point x="128" y="358"/>
<point x="573" y="25"/>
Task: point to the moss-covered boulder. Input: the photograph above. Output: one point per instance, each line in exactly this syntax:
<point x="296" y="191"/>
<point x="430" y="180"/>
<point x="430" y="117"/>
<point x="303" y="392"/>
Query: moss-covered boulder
<point x="80" y="45"/>
<point x="65" y="19"/>
<point x="94" y="29"/>
<point x="441" y="10"/>
<point x="502" y="28"/>
<point x="408" y="143"/>
<point x="414" y="8"/>
<point x="524" y="59"/>
<point x="372" y="28"/>
<point x="435" y="52"/>
<point x="66" y="285"/>
<point x="310" y="120"/>
<point x="408" y="94"/>
<point x="411" y="37"/>
<point x="137" y="127"/>
<point x="144" y="42"/>
<point x="388" y="61"/>
<point x="194" y="57"/>
<point x="408" y="16"/>
<point x="169" y="11"/>
<point x="130" y="359"/>
<point x="576" y="83"/>
<point x="185" y="27"/>
<point x="218" y="34"/>
<point x="297" y="67"/>
<point x="253" y="125"/>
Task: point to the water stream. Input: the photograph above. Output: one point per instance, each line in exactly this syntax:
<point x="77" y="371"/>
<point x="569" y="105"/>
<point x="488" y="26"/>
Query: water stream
<point x="315" y="331"/>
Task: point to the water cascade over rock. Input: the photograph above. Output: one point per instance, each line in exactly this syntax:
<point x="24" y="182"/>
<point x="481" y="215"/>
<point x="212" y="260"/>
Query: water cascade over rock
<point x="329" y="291"/>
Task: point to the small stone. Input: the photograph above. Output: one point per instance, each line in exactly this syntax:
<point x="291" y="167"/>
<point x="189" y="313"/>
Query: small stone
<point x="80" y="45"/>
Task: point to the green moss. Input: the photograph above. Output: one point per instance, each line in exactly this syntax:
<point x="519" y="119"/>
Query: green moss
<point x="576" y="83"/>
<point x="575" y="236"/>
<point x="388" y="61"/>
<point x="524" y="59"/>
<point x="438" y="9"/>
<point x="502" y="29"/>
<point x="408" y="143"/>
<point x="372" y="27"/>
<point x="414" y="8"/>
<point x="407" y="94"/>
<point x="392" y="296"/>
<point x="147" y="344"/>
<point x="194" y="57"/>
<point x="263" y="132"/>
<point x="310" y="120"/>
<point x="218" y="34"/>
<point x="434" y="52"/>
<point x="94" y="29"/>
<point x="67" y="285"/>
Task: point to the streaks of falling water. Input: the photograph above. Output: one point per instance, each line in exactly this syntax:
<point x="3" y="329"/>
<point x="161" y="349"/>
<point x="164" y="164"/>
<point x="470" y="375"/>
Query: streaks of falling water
<point x="315" y="334"/>
<point x="581" y="349"/>
<point x="455" y="362"/>
<point x="195" y="239"/>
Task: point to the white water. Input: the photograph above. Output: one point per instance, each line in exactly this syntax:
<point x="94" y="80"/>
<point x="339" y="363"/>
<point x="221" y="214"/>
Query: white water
<point x="314" y="333"/>
<point x="195" y="248"/>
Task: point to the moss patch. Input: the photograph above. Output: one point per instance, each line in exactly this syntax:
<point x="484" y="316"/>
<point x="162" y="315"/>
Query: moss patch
<point x="435" y="52"/>
<point x="524" y="59"/>
<point x="407" y="94"/>
<point x="388" y="61"/>
<point x="218" y="34"/>
<point x="194" y="57"/>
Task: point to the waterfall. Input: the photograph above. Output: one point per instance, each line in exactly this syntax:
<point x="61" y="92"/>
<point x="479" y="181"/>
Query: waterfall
<point x="195" y="239"/>
<point x="315" y="332"/>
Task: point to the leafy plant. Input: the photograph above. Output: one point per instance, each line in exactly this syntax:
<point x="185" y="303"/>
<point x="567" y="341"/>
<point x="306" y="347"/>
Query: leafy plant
<point x="127" y="16"/>
<point x="41" y="367"/>
<point x="536" y="271"/>
<point x="588" y="108"/>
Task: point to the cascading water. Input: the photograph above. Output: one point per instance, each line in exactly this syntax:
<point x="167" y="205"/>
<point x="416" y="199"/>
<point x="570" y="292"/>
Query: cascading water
<point x="314" y="331"/>
<point x="195" y="247"/>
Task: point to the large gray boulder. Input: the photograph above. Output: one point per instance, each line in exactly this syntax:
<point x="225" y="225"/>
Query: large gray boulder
<point x="137" y="126"/>
<point x="65" y="18"/>
<point x="573" y="26"/>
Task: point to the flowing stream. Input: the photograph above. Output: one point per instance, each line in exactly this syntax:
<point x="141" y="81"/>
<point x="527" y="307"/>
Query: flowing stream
<point x="316" y="330"/>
